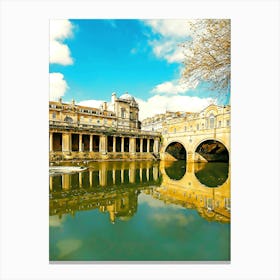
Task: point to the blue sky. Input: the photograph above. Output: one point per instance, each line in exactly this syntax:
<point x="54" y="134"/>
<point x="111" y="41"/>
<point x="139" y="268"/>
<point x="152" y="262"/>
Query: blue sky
<point x="90" y="59"/>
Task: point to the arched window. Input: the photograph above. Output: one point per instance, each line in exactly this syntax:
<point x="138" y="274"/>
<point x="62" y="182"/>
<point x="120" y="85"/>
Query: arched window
<point x="68" y="119"/>
<point x="212" y="120"/>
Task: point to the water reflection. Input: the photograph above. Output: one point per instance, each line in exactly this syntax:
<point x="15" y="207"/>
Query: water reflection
<point x="109" y="187"/>
<point x="114" y="188"/>
<point x="205" y="187"/>
<point x="212" y="174"/>
<point x="138" y="211"/>
<point x="175" y="169"/>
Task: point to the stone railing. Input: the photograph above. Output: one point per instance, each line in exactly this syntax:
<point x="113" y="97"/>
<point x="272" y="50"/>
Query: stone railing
<point x="100" y="128"/>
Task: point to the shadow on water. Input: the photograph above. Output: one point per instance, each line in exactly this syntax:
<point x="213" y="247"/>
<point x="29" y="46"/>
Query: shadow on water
<point x="212" y="174"/>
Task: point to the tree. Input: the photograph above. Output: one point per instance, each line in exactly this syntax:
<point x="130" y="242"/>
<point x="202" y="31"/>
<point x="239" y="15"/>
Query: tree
<point x="207" y="54"/>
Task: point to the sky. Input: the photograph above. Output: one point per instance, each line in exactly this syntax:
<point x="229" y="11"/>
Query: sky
<point x="91" y="59"/>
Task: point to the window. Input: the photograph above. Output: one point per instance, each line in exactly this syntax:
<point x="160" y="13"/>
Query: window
<point x="53" y="115"/>
<point x="98" y="121"/>
<point x="220" y="123"/>
<point x="228" y="123"/>
<point x="122" y="113"/>
<point x="212" y="120"/>
<point x="174" y="130"/>
<point x="197" y="127"/>
<point x="185" y="128"/>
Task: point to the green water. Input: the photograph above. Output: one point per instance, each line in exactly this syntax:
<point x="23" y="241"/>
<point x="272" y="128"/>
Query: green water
<point x="141" y="211"/>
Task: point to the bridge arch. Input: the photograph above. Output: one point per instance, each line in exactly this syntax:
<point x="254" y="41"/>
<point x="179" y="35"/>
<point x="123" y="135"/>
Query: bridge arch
<point x="212" y="149"/>
<point x="176" y="149"/>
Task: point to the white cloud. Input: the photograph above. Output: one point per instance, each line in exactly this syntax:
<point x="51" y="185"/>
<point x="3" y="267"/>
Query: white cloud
<point x="173" y="28"/>
<point x="169" y="87"/>
<point x="60" y="52"/>
<point x="159" y="104"/>
<point x="58" y="86"/>
<point x="174" y="87"/>
<point x="91" y="103"/>
<point x="171" y="33"/>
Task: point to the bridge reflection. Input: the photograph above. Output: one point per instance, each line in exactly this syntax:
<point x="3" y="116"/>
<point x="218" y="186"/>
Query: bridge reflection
<point x="204" y="186"/>
<point x="114" y="187"/>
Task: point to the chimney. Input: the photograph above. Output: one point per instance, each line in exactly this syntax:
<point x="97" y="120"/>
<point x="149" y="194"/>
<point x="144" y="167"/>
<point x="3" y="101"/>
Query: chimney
<point x="114" y="97"/>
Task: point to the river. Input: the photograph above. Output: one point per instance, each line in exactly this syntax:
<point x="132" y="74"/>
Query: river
<point x="141" y="211"/>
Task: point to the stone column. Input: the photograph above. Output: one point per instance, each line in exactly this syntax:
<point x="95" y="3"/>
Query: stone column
<point x="132" y="145"/>
<point x="122" y="144"/>
<point x="66" y="142"/>
<point x="103" y="145"/>
<point x="114" y="144"/>
<point x="141" y="145"/>
<point x="148" y="145"/>
<point x="51" y="142"/>
<point x="90" y="142"/>
<point x="156" y="145"/>
<point x="80" y="142"/>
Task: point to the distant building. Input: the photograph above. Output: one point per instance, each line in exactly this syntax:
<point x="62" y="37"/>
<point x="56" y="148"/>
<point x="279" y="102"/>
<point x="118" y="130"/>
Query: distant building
<point x="155" y="123"/>
<point x="120" y="113"/>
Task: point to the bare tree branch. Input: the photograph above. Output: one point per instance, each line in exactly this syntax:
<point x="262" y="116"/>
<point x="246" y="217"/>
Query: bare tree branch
<point x="207" y="55"/>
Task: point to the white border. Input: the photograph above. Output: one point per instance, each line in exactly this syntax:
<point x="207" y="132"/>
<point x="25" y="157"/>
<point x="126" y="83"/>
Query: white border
<point x="255" y="138"/>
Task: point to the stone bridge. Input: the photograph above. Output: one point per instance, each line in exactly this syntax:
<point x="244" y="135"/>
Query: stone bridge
<point x="198" y="137"/>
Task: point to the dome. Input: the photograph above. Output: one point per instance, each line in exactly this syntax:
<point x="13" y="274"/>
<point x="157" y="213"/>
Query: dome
<point x="127" y="97"/>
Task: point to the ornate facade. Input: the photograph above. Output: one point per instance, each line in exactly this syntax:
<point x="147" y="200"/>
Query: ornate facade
<point x="197" y="131"/>
<point x="109" y="132"/>
<point x="120" y="113"/>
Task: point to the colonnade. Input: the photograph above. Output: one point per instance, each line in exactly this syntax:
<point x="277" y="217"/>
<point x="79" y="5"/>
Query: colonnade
<point x="73" y="142"/>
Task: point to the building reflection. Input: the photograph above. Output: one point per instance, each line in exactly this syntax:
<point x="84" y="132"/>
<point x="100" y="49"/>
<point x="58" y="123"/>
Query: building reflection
<point x="113" y="188"/>
<point x="109" y="187"/>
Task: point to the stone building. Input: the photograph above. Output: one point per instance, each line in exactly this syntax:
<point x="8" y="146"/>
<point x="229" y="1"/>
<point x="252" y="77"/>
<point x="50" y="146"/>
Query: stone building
<point x="120" y="113"/>
<point x="155" y="122"/>
<point x="109" y="132"/>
